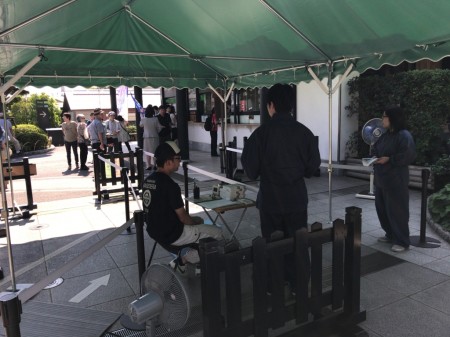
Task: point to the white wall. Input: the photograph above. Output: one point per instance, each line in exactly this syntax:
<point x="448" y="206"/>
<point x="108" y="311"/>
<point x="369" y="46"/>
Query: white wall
<point x="313" y="111"/>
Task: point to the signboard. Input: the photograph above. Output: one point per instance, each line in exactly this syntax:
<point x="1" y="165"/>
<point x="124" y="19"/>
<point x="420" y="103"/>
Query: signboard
<point x="43" y="115"/>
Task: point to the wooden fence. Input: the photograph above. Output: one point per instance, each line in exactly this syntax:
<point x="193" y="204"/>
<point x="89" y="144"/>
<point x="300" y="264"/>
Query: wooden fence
<point x="227" y="311"/>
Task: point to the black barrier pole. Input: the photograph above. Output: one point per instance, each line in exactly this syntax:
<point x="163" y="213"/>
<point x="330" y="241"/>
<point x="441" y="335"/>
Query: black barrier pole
<point x="139" y="224"/>
<point x="97" y="176"/>
<point x="186" y="185"/>
<point x="140" y="166"/>
<point x="126" y="192"/>
<point x="423" y="241"/>
<point x="222" y="156"/>
<point x="27" y="174"/>
<point x="11" y="309"/>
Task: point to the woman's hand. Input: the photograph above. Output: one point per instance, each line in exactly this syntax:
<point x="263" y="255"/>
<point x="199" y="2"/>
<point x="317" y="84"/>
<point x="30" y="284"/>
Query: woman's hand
<point x="382" y="160"/>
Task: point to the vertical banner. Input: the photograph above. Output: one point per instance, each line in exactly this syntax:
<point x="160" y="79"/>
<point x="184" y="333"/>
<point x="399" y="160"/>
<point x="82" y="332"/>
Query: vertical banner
<point x="122" y="102"/>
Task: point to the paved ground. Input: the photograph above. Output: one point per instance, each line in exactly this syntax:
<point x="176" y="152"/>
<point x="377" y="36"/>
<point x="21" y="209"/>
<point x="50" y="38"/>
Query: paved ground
<point x="408" y="299"/>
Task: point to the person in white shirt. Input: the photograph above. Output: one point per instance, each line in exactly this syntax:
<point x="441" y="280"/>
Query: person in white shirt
<point x="113" y="130"/>
<point x="151" y="134"/>
<point x="10" y="132"/>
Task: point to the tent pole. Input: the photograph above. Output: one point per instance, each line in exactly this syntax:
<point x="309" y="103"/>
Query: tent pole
<point x="4" y="214"/>
<point x="35" y="18"/>
<point x="330" y="143"/>
<point x="20" y="73"/>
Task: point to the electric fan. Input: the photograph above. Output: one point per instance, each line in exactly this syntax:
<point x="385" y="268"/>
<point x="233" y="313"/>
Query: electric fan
<point x="165" y="305"/>
<point x="371" y="132"/>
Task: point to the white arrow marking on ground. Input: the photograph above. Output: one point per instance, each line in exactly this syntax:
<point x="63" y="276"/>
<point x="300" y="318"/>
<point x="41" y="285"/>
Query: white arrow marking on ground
<point x="95" y="284"/>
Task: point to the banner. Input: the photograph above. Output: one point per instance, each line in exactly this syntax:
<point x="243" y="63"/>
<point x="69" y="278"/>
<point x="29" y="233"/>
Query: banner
<point x="138" y="107"/>
<point x="122" y="103"/>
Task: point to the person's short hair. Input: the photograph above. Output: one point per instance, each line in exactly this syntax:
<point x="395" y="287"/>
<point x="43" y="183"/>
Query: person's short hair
<point x="120" y="118"/>
<point x="67" y="115"/>
<point x="80" y="117"/>
<point x="166" y="151"/>
<point x="111" y="113"/>
<point x="397" y="118"/>
<point x="282" y="96"/>
<point x="162" y="107"/>
<point x="97" y="111"/>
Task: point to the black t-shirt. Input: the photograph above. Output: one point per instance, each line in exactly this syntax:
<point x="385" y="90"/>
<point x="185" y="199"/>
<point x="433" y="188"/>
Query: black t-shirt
<point x="161" y="197"/>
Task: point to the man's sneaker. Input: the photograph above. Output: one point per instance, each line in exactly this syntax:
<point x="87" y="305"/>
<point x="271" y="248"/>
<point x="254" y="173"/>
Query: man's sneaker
<point x="176" y="264"/>
<point x="398" y="248"/>
<point x="384" y="239"/>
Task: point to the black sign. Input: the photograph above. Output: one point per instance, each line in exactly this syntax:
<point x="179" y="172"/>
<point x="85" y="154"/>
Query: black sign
<point x="43" y="116"/>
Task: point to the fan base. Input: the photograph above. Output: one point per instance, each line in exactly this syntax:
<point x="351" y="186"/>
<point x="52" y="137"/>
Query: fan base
<point x="126" y="322"/>
<point x="365" y="195"/>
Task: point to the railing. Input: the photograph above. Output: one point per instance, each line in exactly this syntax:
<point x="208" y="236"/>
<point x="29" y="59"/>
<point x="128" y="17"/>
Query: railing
<point x="109" y="172"/>
<point x="313" y="305"/>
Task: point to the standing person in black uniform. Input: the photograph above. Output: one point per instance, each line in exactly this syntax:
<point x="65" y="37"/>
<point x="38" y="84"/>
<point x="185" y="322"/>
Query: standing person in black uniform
<point x="282" y="152"/>
<point x="395" y="151"/>
<point x="213" y="133"/>
<point x="164" y="121"/>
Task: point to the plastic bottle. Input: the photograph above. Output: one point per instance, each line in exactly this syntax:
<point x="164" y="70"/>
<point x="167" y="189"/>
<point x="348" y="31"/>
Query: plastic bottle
<point x="196" y="191"/>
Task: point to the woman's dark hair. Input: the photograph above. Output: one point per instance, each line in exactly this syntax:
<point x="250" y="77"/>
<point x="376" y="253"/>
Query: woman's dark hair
<point x="397" y="118"/>
<point x="120" y="118"/>
<point x="282" y="96"/>
<point x="149" y="112"/>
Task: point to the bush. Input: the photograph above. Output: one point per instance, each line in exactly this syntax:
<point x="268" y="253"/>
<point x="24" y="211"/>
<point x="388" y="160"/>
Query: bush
<point x="131" y="128"/>
<point x="31" y="137"/>
<point x="439" y="207"/>
<point x="425" y="97"/>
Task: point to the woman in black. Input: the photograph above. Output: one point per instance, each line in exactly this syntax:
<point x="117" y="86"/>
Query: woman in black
<point x="395" y="151"/>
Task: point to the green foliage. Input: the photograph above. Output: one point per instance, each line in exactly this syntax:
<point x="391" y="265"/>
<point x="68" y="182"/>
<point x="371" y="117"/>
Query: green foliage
<point x="439" y="207"/>
<point x="441" y="166"/>
<point x="131" y="128"/>
<point x="31" y="137"/>
<point x="24" y="110"/>
<point x="425" y="96"/>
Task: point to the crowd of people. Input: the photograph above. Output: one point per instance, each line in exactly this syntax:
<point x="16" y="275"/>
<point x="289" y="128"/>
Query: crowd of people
<point x="107" y="132"/>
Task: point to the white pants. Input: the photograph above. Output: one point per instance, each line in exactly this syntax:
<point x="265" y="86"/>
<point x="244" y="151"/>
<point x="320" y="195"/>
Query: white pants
<point x="193" y="234"/>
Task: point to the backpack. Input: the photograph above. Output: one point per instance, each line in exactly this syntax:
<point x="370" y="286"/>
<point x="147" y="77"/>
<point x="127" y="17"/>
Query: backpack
<point x="208" y="124"/>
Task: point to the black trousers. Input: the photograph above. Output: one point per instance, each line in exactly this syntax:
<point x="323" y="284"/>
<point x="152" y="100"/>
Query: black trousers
<point x="288" y="224"/>
<point x="83" y="153"/>
<point x="213" y="143"/>
<point x="74" y="147"/>
<point x="392" y="207"/>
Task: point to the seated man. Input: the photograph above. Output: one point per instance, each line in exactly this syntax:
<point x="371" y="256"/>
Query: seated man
<point x="167" y="221"/>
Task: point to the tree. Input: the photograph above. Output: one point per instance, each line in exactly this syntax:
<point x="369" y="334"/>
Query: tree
<point x="24" y="110"/>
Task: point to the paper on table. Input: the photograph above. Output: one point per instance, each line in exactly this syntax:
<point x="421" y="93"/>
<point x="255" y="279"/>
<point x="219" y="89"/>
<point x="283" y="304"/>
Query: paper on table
<point x="369" y="161"/>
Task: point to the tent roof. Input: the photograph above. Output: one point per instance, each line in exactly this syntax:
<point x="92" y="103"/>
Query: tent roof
<point x="174" y="43"/>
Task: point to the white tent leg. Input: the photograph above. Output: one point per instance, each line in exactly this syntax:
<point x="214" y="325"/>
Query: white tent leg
<point x="20" y="73"/>
<point x="329" y="90"/>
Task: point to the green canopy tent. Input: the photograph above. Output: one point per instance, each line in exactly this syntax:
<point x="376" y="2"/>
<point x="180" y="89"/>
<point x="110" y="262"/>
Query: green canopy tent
<point x="211" y="43"/>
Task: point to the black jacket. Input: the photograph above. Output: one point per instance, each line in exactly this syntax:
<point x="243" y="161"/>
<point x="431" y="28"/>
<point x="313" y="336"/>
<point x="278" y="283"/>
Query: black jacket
<point x="282" y="152"/>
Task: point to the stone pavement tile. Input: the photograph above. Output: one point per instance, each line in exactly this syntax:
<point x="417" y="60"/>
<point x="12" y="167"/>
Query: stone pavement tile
<point x="438" y="253"/>
<point x="407" y="278"/>
<point x="407" y="318"/>
<point x="131" y="275"/>
<point x="436" y="297"/>
<point x="441" y="266"/>
<point x="119" y="305"/>
<point x="126" y="254"/>
<point x="375" y="295"/>
<point x="97" y="262"/>
<point x="117" y="287"/>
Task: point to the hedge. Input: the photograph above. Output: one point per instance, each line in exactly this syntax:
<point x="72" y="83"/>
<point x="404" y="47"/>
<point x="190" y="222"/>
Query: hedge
<point x="31" y="137"/>
<point x="425" y="97"/>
